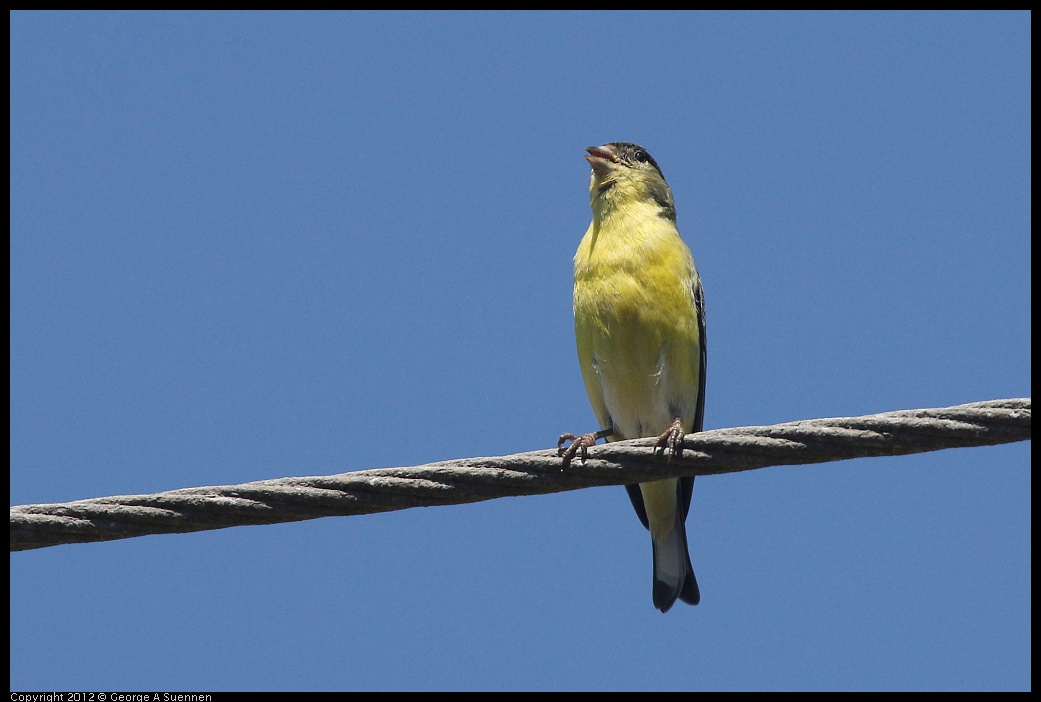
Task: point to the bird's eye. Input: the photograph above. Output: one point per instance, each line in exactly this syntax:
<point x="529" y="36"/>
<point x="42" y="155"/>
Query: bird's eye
<point x="642" y="156"/>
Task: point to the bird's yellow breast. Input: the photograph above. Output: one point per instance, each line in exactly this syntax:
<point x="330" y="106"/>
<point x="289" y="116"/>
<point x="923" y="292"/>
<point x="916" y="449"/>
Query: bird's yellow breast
<point x="636" y="321"/>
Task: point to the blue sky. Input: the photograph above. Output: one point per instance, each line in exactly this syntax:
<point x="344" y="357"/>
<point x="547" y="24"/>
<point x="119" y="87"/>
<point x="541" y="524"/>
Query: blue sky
<point x="249" y="246"/>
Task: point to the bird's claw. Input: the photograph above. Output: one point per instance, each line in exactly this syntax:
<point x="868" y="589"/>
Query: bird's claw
<point x="671" y="440"/>
<point x="579" y="445"/>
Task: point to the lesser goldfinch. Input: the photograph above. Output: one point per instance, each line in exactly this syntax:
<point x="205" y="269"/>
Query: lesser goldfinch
<point x="640" y="327"/>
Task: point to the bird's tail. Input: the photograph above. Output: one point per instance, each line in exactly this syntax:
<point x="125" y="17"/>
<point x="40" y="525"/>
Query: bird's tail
<point x="673" y="574"/>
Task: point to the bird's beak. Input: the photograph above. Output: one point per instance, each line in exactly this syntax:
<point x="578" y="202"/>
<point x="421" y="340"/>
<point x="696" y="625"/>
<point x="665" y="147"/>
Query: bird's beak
<point x="602" y="159"/>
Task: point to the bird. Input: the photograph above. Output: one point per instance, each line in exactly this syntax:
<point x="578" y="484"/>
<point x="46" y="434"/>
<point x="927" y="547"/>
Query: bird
<point x="640" y="330"/>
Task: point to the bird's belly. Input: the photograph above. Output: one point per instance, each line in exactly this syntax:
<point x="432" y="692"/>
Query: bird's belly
<point x="633" y="396"/>
<point x="644" y="371"/>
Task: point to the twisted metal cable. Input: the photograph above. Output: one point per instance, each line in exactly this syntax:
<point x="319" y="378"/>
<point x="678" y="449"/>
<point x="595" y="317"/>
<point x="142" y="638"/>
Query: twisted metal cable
<point x="532" y="473"/>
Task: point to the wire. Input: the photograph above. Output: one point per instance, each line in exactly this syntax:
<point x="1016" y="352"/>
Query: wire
<point x="533" y="473"/>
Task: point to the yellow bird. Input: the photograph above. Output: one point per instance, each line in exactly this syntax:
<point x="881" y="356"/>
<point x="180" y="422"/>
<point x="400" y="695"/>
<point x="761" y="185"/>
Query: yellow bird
<point x="640" y="327"/>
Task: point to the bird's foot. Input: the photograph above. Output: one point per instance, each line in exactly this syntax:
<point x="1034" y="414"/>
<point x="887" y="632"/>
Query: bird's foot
<point x="579" y="445"/>
<point x="672" y="440"/>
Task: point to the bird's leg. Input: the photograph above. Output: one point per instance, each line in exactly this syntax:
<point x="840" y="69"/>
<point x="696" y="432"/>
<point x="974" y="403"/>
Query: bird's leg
<point x="672" y="439"/>
<point x="579" y="444"/>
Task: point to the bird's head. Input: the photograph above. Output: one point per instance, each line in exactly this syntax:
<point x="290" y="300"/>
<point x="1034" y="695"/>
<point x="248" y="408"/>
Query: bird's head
<point x="625" y="173"/>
